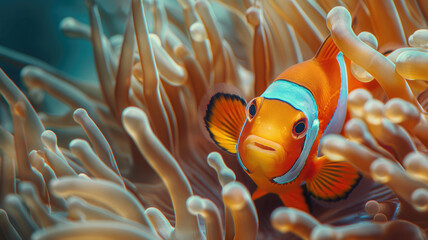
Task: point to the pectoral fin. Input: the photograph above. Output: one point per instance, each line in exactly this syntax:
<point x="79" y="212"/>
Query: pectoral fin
<point x="333" y="180"/>
<point x="295" y="198"/>
<point x="224" y="118"/>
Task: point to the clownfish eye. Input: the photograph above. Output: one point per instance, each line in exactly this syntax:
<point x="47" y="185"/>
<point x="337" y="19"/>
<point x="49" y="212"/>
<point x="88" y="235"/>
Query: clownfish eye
<point x="252" y="108"/>
<point x="299" y="128"/>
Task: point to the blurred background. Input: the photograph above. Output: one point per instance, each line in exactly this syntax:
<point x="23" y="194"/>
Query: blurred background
<point x="32" y="28"/>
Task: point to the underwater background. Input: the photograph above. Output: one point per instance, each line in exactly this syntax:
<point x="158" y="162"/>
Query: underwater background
<point x="102" y="135"/>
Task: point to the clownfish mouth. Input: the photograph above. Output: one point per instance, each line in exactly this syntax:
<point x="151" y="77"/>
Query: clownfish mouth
<point x="264" y="147"/>
<point x="262" y="156"/>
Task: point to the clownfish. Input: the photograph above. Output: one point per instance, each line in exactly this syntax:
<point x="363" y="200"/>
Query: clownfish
<point x="276" y="135"/>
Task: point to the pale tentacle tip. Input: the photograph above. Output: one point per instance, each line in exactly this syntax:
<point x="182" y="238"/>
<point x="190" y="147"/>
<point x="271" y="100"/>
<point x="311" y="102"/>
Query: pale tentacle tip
<point x="195" y="205"/>
<point x="133" y="117"/>
<point x="282" y="219"/>
<point x="332" y="145"/>
<point x="198" y="32"/>
<point x="380" y="218"/>
<point x="419" y="199"/>
<point x="234" y="195"/>
<point x="381" y="170"/>
<point x="372" y="207"/>
<point x="79" y="114"/>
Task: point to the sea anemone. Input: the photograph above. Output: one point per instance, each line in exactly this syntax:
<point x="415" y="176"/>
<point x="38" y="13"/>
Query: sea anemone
<point x="127" y="158"/>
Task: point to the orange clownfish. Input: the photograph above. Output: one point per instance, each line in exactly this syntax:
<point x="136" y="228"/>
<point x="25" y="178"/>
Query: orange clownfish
<point x="276" y="135"/>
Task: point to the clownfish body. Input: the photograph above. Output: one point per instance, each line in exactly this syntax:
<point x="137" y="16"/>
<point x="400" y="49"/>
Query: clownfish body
<point x="276" y="135"/>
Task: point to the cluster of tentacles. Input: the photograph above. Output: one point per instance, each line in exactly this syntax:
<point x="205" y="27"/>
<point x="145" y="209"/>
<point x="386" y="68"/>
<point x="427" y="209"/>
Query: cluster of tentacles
<point x="128" y="158"/>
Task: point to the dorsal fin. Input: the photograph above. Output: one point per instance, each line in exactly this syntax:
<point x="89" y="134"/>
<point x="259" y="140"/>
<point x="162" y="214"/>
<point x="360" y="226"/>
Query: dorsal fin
<point x="328" y="50"/>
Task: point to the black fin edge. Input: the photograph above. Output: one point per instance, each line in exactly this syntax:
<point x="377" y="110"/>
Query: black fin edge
<point x="208" y="113"/>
